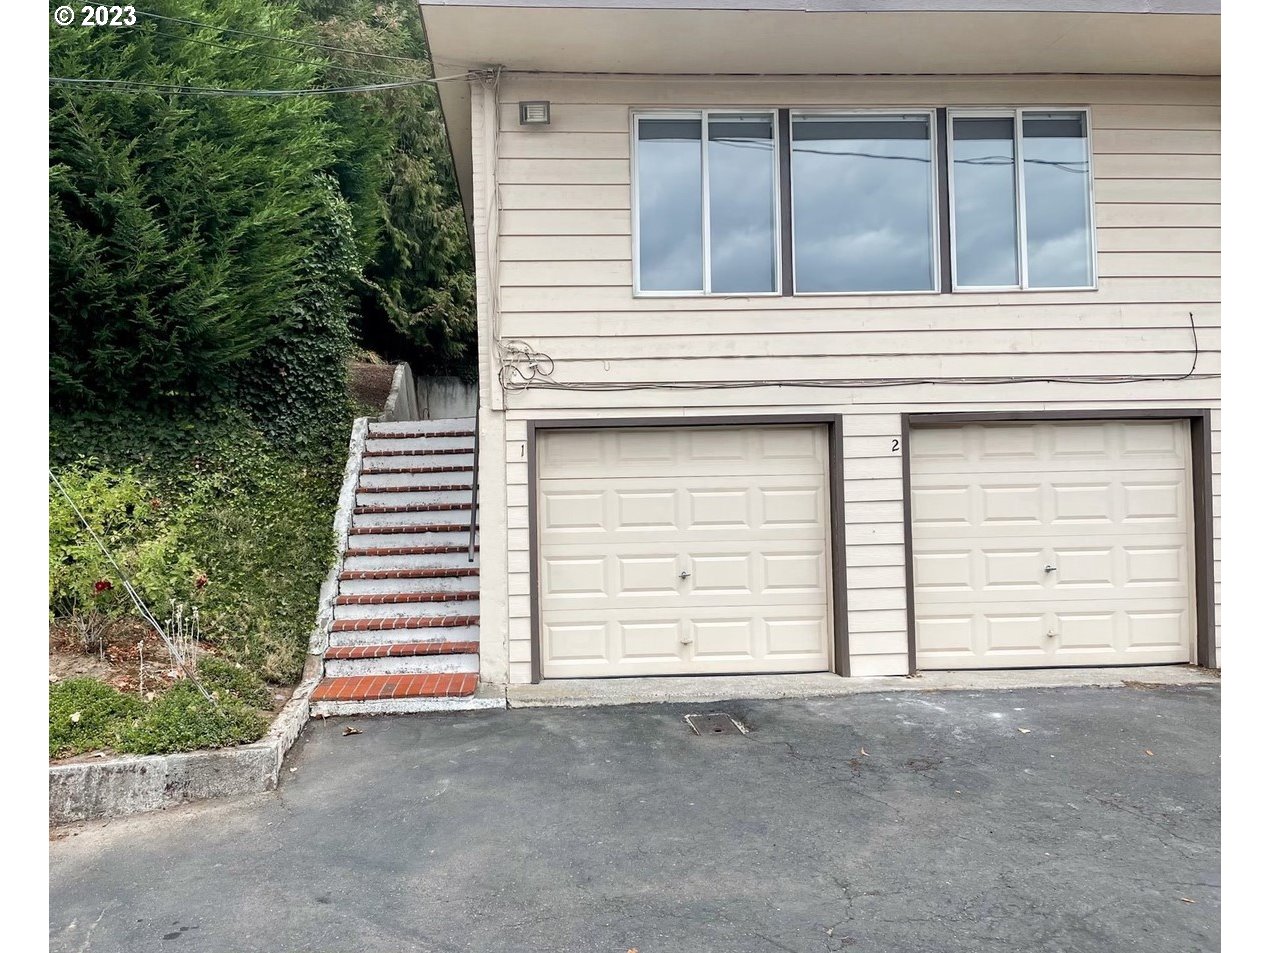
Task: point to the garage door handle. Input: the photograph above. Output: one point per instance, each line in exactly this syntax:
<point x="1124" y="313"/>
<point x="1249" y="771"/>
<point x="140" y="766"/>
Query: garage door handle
<point x="1051" y="568"/>
<point x="684" y="574"/>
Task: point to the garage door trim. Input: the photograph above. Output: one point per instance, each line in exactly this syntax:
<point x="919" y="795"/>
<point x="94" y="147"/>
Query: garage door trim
<point x="837" y="510"/>
<point x="1201" y="436"/>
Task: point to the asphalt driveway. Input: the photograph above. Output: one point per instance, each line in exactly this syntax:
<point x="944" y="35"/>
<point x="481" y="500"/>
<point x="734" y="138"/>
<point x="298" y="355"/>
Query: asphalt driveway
<point x="1034" y="820"/>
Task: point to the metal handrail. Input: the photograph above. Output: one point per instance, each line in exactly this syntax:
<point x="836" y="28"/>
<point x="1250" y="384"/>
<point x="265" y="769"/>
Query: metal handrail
<point x="476" y="457"/>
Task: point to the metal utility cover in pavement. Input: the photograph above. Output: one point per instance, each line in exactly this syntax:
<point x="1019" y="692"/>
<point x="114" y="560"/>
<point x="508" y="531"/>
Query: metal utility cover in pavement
<point x="715" y="723"/>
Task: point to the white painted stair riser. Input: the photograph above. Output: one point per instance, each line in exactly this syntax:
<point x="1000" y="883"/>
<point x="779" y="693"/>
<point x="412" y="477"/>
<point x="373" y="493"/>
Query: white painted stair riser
<point x="421" y="518"/>
<point x="440" y="424"/>
<point x="396" y="540"/>
<point x="420" y="610"/>
<point x="453" y="498"/>
<point x="423" y="561"/>
<point x="404" y="665"/>
<point x="456" y="633"/>
<point x="418" y="444"/>
<point x="406" y="706"/>
<point x="461" y="478"/>
<point x="364" y="587"/>
<point x="430" y="460"/>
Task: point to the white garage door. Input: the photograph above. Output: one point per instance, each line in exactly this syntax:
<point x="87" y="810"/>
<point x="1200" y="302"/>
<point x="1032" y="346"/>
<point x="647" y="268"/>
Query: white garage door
<point x="1044" y="544"/>
<point x="682" y="550"/>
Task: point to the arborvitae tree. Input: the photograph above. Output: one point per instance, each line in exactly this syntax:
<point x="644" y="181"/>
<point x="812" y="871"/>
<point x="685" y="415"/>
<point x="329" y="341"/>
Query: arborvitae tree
<point x="184" y="229"/>
<point x="417" y="294"/>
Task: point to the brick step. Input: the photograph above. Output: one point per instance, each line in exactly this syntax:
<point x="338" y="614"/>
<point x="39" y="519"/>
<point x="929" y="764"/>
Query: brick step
<point x="385" y="558"/>
<point x="387" y="474"/>
<point x="438" y="507"/>
<point x="389" y="461"/>
<point x="399" y="496"/>
<point x="401" y="649"/>
<point x="408" y="530"/>
<point x="439" y="500"/>
<point x="381" y="537"/>
<point x="409" y="605"/>
<point x="387" y="518"/>
<point x="416" y="427"/>
<point x="421" y="452"/>
<point x="443" y="580"/>
<point x="388" y="624"/>
<point x="484" y="699"/>
<point x="380" y="687"/>
<point x="453" y="633"/>
<point x="349" y="575"/>
<point x="394" y="598"/>
<point x="399" y="434"/>
<point x="403" y="658"/>
<point x="414" y="488"/>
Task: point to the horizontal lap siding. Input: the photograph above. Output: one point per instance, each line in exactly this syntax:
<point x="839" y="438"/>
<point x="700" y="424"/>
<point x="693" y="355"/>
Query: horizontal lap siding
<point x="565" y="286"/>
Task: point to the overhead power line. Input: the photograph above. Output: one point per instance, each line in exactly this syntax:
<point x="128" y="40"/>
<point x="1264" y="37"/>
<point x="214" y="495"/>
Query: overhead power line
<point x="274" y="56"/>
<point x="135" y="86"/>
<point x="283" y="39"/>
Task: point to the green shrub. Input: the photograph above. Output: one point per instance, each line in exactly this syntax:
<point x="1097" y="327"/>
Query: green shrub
<point x="183" y="230"/>
<point x="140" y="529"/>
<point x="296" y="383"/>
<point x="85" y="715"/>
<point x="181" y="719"/>
<point x="229" y="680"/>
<point x="242" y="530"/>
<point x="417" y="299"/>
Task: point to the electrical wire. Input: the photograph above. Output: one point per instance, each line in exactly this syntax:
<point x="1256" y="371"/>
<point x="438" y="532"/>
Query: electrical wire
<point x="135" y="86"/>
<point x="282" y="39"/>
<point x="536" y="370"/>
<point x="274" y="56"/>
<point x="137" y="601"/>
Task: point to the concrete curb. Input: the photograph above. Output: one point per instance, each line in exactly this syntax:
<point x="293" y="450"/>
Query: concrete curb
<point x="113" y="787"/>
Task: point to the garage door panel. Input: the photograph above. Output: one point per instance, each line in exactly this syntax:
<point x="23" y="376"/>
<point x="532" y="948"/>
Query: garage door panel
<point x="1149" y="630"/>
<point x="721" y="509"/>
<point x="643" y="576"/>
<point x="726" y="638"/>
<point x="572" y="578"/>
<point x="654" y="640"/>
<point x="684" y="550"/>
<point x="1105" y="506"/>
<point x="1001" y="503"/>
<point x="1032" y="447"/>
<point x="684" y="451"/>
<point x="643" y="510"/>
<point x="572" y="512"/>
<point x="1011" y="637"/>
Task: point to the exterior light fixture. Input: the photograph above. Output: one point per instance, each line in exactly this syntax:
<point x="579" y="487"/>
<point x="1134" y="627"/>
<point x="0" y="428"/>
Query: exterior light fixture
<point x="535" y="113"/>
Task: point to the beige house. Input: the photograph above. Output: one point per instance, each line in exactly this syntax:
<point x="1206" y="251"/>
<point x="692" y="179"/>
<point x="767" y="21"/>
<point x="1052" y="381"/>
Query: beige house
<point x="841" y="336"/>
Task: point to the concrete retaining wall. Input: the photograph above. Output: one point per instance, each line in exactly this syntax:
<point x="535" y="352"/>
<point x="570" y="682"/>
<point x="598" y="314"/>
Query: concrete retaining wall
<point x="428" y="398"/>
<point x="111" y="787"/>
<point x="403" y="397"/>
<point x="442" y="397"/>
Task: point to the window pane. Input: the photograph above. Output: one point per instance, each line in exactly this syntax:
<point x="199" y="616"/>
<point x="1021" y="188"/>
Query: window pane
<point x="862" y="203"/>
<point x="742" y="154"/>
<point x="1056" y="190"/>
<point x="669" y="204"/>
<point x="983" y="207"/>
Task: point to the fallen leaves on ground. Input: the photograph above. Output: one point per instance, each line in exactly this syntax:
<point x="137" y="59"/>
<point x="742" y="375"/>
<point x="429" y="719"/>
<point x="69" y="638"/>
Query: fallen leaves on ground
<point x="350" y="730"/>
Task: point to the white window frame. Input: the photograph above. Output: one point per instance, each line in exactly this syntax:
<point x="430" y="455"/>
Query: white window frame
<point x="703" y="114"/>
<point x="1016" y="113"/>
<point x="872" y="113"/>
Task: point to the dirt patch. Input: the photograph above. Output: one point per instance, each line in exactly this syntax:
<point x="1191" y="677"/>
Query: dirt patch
<point x="128" y="655"/>
<point x="370" y="383"/>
